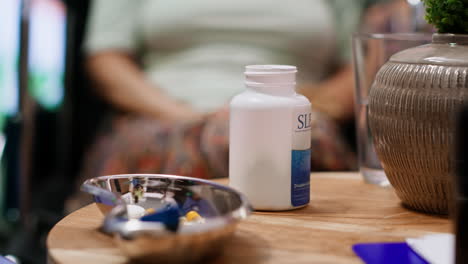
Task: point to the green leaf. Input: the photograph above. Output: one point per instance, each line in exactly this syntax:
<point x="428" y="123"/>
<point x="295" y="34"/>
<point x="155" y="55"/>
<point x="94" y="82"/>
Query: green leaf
<point x="448" y="16"/>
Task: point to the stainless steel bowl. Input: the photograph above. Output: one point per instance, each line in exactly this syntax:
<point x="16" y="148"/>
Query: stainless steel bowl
<point x="220" y="208"/>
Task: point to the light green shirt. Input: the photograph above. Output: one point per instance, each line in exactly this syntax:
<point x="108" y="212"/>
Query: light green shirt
<point x="196" y="50"/>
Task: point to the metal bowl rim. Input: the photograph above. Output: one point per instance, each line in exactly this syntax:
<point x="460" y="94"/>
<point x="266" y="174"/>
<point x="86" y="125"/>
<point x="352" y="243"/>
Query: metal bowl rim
<point x="240" y="213"/>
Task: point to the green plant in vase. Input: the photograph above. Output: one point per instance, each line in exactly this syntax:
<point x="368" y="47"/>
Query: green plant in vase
<point x="448" y="16"/>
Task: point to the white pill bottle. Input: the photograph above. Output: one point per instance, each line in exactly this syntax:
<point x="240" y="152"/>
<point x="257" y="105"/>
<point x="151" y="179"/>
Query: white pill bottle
<point x="269" y="139"/>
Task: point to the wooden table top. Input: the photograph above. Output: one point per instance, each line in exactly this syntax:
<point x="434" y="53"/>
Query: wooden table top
<point x="343" y="211"/>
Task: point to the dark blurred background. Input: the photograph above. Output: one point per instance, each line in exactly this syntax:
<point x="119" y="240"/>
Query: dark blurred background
<point x="49" y="115"/>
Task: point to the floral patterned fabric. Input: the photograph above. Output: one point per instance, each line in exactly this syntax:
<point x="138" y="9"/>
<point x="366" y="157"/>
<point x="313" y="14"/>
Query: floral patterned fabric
<point x="198" y="149"/>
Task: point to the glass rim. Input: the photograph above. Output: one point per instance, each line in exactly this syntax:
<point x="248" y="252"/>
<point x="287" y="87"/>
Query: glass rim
<point x="413" y="36"/>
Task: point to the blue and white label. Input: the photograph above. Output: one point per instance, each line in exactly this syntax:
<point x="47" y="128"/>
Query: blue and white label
<point x="300" y="177"/>
<point x="300" y="156"/>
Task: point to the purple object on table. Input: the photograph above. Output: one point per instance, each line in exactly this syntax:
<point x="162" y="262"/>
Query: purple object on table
<point x="4" y="260"/>
<point x="387" y="253"/>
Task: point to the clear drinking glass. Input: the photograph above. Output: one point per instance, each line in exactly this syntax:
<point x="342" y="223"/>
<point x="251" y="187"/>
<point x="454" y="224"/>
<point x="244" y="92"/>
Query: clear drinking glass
<point x="370" y="52"/>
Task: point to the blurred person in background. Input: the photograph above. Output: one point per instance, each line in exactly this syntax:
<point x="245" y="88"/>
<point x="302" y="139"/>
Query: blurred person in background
<point x="169" y="68"/>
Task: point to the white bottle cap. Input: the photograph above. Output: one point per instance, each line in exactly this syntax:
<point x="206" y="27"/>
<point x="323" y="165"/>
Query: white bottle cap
<point x="270" y="75"/>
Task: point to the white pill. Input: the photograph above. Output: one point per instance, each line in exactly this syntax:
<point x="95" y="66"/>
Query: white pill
<point x="135" y="211"/>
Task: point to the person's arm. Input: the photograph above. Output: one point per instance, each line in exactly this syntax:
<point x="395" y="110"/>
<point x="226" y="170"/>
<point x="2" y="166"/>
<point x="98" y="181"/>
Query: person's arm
<point x="334" y="96"/>
<point x="120" y="81"/>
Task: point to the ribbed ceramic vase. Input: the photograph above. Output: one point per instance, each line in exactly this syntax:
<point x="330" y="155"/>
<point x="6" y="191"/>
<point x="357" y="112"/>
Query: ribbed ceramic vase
<point x="413" y="105"/>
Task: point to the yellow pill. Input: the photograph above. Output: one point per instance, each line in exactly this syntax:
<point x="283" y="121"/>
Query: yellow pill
<point x="192" y="216"/>
<point x="150" y="211"/>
